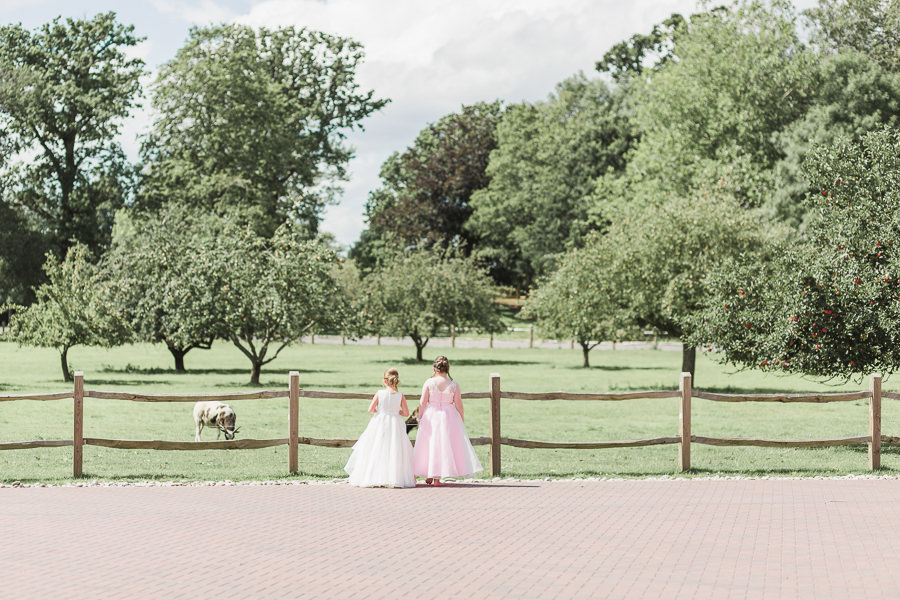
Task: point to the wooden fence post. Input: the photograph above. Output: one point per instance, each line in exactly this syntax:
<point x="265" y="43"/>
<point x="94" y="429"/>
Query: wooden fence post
<point x="875" y="422"/>
<point x="294" y="419"/>
<point x="495" y="425"/>
<point x="684" y="423"/>
<point x="78" y="436"/>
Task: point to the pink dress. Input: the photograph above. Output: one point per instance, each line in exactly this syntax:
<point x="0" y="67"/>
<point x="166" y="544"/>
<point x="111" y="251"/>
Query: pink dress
<point x="442" y="444"/>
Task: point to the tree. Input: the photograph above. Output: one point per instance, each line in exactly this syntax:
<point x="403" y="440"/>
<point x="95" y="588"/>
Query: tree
<point x="255" y="119"/>
<point x="274" y="290"/>
<point x="21" y="256"/>
<point x="70" y="309"/>
<point x="708" y="116"/>
<point x="871" y="27"/>
<point x="582" y="300"/>
<point x="416" y="293"/>
<point x="854" y="95"/>
<point x="661" y="255"/>
<point x="426" y="192"/>
<point x="64" y="90"/>
<point x="541" y="176"/>
<point x="828" y="306"/>
<point x="629" y="58"/>
<point x="161" y="268"/>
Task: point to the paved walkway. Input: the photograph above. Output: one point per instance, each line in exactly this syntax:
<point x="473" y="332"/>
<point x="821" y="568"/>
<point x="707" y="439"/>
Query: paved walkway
<point x="813" y="539"/>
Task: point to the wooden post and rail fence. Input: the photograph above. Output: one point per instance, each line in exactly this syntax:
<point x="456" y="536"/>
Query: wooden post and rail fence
<point x="494" y="440"/>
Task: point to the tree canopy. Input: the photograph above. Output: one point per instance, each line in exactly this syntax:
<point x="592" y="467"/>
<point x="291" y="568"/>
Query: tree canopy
<point x="426" y="191"/>
<point x="828" y="305"/>
<point x="548" y="154"/>
<point x="166" y="284"/>
<point x="64" y="91"/>
<point x="256" y="120"/>
<point x="583" y="300"/>
<point x="416" y="293"/>
<point x="72" y="308"/>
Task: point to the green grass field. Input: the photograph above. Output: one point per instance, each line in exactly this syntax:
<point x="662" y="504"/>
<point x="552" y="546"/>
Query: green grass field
<point x="359" y="368"/>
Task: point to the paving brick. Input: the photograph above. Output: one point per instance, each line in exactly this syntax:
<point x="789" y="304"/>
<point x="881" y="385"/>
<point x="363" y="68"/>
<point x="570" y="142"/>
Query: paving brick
<point x="748" y="539"/>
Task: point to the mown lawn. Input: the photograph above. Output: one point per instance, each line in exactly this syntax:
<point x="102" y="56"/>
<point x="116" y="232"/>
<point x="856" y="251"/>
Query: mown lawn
<point x="359" y="368"/>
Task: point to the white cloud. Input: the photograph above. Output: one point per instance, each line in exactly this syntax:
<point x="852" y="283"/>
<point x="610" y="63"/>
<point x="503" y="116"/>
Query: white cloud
<point x="201" y="13"/>
<point x="431" y="57"/>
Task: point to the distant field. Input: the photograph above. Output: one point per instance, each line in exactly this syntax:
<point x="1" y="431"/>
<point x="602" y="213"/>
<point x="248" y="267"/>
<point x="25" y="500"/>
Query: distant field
<point x="359" y="368"/>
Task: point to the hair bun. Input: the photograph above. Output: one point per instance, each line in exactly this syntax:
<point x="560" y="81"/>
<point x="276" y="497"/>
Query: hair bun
<point x="392" y="377"/>
<point x="442" y="364"/>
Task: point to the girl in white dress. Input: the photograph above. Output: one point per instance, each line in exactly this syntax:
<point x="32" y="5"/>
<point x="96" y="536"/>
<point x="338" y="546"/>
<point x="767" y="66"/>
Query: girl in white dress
<point x="382" y="457"/>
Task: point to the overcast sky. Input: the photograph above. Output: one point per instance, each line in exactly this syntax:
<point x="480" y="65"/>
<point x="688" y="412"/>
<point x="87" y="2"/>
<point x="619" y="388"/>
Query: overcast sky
<point x="428" y="56"/>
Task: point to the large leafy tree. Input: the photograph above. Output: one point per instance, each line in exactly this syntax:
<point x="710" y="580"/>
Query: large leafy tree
<point x="541" y="176"/>
<point x="274" y="290"/>
<point x="739" y="75"/>
<point x="629" y="58"/>
<point x="417" y="293"/>
<point x="64" y="90"/>
<point x="72" y="308"/>
<point x="854" y="95"/>
<point x="161" y="268"/>
<point x="661" y="256"/>
<point x="868" y="26"/>
<point x="828" y="306"/>
<point x="426" y="191"/>
<point x="255" y="119"/>
<point x="583" y="300"/>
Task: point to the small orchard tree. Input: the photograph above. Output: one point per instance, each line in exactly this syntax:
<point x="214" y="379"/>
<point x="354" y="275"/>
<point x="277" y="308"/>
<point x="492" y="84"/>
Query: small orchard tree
<point x="661" y="255"/>
<point x="160" y="266"/>
<point x="69" y="309"/>
<point x="417" y="293"/>
<point x="828" y="306"/>
<point x="274" y="290"/>
<point x="582" y="300"/>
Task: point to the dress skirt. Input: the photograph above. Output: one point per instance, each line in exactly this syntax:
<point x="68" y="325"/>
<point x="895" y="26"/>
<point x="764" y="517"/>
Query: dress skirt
<point x="382" y="457"/>
<point x="442" y="447"/>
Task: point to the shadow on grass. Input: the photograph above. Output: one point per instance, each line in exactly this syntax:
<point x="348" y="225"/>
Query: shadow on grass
<point x="93" y="382"/>
<point x="752" y="390"/>
<point x="471" y="362"/>
<point x="133" y="370"/>
<point x="616" y="368"/>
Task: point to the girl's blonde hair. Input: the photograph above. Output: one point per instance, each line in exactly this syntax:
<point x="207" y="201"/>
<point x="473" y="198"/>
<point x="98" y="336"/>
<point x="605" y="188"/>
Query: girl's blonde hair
<point x="392" y="377"/>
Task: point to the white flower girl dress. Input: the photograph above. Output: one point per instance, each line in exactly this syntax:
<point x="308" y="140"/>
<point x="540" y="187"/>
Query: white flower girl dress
<point x="383" y="455"/>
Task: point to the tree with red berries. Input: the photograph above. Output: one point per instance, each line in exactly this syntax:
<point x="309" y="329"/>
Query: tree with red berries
<point x="830" y="305"/>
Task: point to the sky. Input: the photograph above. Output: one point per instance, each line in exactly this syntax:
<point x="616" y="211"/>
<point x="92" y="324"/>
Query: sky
<point x="429" y="57"/>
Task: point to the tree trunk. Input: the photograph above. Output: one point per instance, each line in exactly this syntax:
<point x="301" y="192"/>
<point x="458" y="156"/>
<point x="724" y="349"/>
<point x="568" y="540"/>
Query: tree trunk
<point x="688" y="359"/>
<point x="419" y="347"/>
<point x="585" y="350"/>
<point x="178" y="354"/>
<point x="65" y="363"/>
<point x="254" y="373"/>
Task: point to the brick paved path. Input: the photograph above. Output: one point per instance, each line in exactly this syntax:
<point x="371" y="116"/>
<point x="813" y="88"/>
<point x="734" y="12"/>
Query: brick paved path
<point x="627" y="539"/>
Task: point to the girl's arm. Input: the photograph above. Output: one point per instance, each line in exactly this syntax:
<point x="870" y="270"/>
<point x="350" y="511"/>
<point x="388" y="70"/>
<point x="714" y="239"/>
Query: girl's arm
<point x="374" y="406"/>
<point x="457" y="401"/>
<point x="404" y="409"/>
<point x="423" y="400"/>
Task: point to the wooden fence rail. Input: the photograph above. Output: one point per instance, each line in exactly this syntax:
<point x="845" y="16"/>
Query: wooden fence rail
<point x="494" y="440"/>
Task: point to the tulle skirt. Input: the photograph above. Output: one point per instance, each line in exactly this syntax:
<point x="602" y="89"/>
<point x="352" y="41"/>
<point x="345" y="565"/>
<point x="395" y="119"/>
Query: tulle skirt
<point x="442" y="445"/>
<point x="382" y="457"/>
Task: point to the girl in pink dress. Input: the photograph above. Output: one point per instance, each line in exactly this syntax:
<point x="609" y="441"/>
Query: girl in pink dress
<point x="442" y="446"/>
